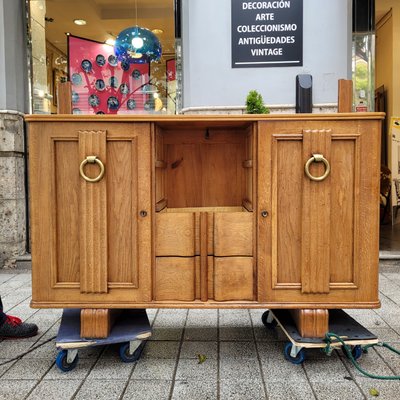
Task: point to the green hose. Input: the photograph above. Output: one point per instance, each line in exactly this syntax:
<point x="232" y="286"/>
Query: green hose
<point x="328" y="349"/>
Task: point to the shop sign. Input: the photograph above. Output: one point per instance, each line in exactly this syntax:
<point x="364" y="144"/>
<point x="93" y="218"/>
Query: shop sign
<point x="267" y="33"/>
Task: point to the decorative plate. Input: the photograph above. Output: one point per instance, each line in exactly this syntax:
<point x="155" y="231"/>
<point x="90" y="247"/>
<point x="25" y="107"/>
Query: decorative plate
<point x="131" y="104"/>
<point x="125" y="65"/>
<point x="113" y="103"/>
<point x="136" y="74"/>
<point x="76" y="111"/>
<point x="100" y="60"/>
<point x="76" y="79"/>
<point x="86" y="65"/>
<point x="100" y="85"/>
<point x="75" y="97"/>
<point x="124" y="88"/>
<point x="113" y="82"/>
<point x="112" y="60"/>
<point x="93" y="100"/>
<point x="149" y="105"/>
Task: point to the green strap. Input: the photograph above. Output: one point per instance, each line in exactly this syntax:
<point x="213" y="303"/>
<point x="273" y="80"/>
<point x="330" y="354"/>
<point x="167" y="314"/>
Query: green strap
<point x="328" y="349"/>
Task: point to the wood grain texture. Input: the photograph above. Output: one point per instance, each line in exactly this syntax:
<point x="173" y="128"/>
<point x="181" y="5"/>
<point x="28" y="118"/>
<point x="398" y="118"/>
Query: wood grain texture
<point x="186" y="123"/>
<point x="175" y="234"/>
<point x="64" y="98"/>
<point x="233" y="234"/>
<point x="175" y="278"/>
<point x="95" y="323"/>
<point x="345" y="204"/>
<point x="345" y="96"/>
<point x="122" y="184"/>
<point x="204" y="256"/>
<point x="287" y="180"/>
<point x="93" y="216"/>
<point x="67" y="192"/>
<point x="233" y="278"/>
<point x="160" y="166"/>
<point x="316" y="216"/>
<point x="205" y="171"/>
<point x="311" y="323"/>
<point x="274" y="182"/>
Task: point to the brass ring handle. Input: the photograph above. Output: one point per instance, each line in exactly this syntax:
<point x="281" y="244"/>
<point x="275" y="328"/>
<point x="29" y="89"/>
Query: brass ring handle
<point x="317" y="158"/>
<point x="91" y="160"/>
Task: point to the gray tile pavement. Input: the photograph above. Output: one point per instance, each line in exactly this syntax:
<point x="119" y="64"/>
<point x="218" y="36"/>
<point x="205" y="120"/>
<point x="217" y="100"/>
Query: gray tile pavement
<point x="243" y="359"/>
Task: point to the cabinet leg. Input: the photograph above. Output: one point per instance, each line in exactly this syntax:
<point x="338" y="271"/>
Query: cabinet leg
<point x="97" y="322"/>
<point x="311" y="323"/>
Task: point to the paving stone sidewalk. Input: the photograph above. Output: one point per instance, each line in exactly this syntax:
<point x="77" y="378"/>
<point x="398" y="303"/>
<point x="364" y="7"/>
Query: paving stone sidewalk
<point x="244" y="360"/>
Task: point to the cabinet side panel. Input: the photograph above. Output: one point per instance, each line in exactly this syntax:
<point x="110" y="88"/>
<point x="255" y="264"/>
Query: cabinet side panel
<point x="287" y="203"/>
<point x="122" y="207"/>
<point x="343" y="209"/>
<point x="66" y="205"/>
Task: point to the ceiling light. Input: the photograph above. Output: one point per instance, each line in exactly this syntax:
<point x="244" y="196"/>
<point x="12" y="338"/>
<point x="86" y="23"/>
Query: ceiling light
<point x="110" y="41"/>
<point x="137" y="45"/>
<point x="79" y="22"/>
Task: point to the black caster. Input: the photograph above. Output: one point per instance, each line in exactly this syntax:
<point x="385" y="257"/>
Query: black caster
<point x="300" y="357"/>
<point x="126" y="356"/>
<point x="268" y="322"/>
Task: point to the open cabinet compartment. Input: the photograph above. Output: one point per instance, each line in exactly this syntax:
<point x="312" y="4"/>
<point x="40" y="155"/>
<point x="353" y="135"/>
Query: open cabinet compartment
<point x="204" y="222"/>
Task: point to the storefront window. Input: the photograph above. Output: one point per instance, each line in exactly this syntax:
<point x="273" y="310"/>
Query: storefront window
<point x="363" y="65"/>
<point x="81" y="42"/>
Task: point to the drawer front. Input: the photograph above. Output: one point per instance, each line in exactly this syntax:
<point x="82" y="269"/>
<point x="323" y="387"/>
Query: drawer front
<point x="175" y="278"/>
<point x="233" y="234"/>
<point x="233" y="278"/>
<point x="176" y="234"/>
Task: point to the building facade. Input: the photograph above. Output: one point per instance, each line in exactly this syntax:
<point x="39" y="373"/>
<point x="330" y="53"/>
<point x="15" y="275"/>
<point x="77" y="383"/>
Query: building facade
<point x="208" y="40"/>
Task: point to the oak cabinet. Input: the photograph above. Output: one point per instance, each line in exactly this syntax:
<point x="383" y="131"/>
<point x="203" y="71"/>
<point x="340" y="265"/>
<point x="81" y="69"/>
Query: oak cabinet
<point x="205" y="211"/>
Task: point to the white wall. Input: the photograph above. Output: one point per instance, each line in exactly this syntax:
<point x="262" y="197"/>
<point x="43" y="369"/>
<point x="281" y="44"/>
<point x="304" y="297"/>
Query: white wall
<point x="209" y="80"/>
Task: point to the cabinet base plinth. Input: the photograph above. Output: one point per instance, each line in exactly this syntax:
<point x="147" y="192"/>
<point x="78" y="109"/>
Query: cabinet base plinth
<point x="97" y="323"/>
<point x="311" y="323"/>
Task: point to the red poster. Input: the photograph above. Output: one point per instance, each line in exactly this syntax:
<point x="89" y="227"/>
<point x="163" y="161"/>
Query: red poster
<point x="103" y="85"/>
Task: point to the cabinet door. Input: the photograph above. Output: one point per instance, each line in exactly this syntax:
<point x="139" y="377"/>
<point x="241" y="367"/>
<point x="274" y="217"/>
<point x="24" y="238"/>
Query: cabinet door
<point x="91" y="241"/>
<point x="319" y="242"/>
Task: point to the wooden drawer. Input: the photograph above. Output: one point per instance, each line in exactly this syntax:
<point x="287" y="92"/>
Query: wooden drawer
<point x="233" y="278"/>
<point x="175" y="278"/>
<point x="176" y="234"/>
<point x="233" y="234"/>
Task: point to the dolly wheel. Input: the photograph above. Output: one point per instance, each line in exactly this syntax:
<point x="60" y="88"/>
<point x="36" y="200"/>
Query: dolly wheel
<point x="356" y="352"/>
<point x="301" y="355"/>
<point x="126" y="357"/>
<point x="62" y="362"/>
<point x="264" y="319"/>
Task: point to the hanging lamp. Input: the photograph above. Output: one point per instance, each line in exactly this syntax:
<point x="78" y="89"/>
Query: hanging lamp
<point x="137" y="45"/>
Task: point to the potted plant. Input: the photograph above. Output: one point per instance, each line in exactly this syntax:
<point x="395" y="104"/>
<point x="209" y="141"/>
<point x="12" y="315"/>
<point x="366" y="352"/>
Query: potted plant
<point x="255" y="103"/>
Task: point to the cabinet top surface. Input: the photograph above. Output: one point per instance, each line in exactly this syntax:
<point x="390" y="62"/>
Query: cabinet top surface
<point x="245" y="118"/>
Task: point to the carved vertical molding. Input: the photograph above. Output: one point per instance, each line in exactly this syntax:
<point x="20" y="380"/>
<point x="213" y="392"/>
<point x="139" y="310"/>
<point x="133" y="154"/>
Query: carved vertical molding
<point x="203" y="256"/>
<point x="315" y="267"/>
<point x="93" y="216"/>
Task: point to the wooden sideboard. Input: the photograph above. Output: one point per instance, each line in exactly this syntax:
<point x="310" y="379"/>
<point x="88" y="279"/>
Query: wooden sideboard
<point x="205" y="212"/>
